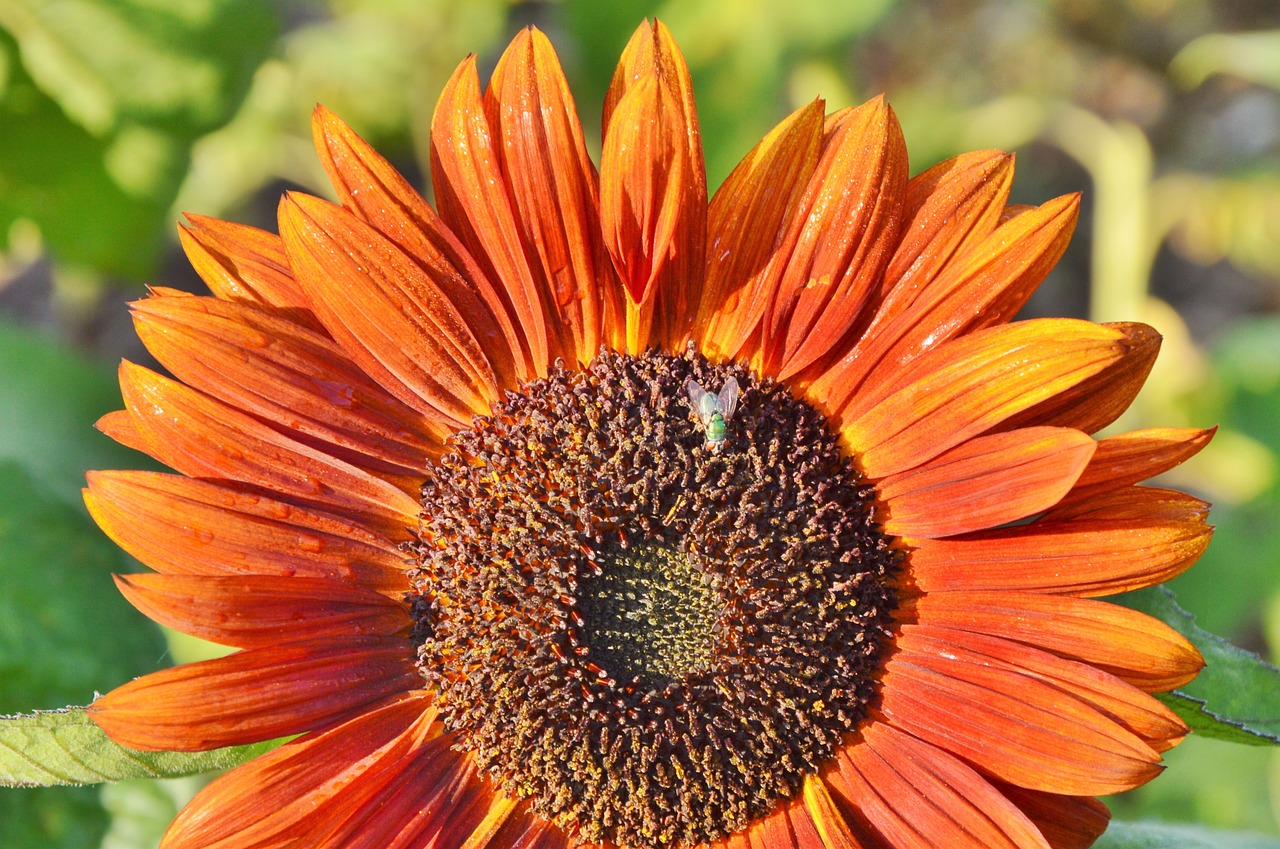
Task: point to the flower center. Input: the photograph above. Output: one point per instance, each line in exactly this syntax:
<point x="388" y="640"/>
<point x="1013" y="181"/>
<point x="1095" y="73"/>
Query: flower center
<point x="650" y="613"/>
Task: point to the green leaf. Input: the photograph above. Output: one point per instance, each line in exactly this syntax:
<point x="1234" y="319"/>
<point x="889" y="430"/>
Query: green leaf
<point x="102" y="103"/>
<point x="1236" y="697"/>
<point x="65" y="747"/>
<point x="1127" y="835"/>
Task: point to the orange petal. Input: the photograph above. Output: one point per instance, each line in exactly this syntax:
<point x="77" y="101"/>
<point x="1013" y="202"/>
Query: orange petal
<point x="653" y="186"/>
<point x="842" y="237"/>
<point x="256" y="694"/>
<point x="1097" y="401"/>
<point x="984" y="482"/>
<point x="554" y="191"/>
<point x="201" y="437"/>
<point x="240" y="263"/>
<point x="917" y="796"/>
<point x="438" y="800"/>
<point x="1010" y="724"/>
<point x="373" y="190"/>
<point x="947" y="210"/>
<point x="181" y="526"/>
<point x="303" y="787"/>
<point x="392" y="318"/>
<point x="1121" y="702"/>
<point x="969" y="385"/>
<point x="1130" y="645"/>
<point x="259" y="611"/>
<point x="1129" y="458"/>
<point x="833" y="829"/>
<point x="287" y="374"/>
<point x="474" y="201"/>
<point x="1067" y="822"/>
<point x="750" y="213"/>
<point x="1079" y="558"/>
<point x="1141" y="503"/>
<point x="120" y="426"/>
<point x="981" y="287"/>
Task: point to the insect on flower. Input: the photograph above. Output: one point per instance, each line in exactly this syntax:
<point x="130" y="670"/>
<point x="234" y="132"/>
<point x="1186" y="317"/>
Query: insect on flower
<point x="714" y="411"/>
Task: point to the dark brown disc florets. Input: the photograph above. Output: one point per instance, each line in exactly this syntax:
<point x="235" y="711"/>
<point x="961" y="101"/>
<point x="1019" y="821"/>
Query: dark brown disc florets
<point x="652" y="640"/>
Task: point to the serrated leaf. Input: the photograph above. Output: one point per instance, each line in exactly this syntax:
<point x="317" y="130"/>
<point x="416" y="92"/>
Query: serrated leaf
<point x="1126" y="835"/>
<point x="1237" y="696"/>
<point x="65" y="747"/>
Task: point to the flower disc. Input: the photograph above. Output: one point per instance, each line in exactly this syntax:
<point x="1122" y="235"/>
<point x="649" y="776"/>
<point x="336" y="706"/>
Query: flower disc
<point x="653" y="638"/>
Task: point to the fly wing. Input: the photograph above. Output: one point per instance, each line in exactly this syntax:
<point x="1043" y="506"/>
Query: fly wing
<point x="704" y="403"/>
<point x="728" y="398"/>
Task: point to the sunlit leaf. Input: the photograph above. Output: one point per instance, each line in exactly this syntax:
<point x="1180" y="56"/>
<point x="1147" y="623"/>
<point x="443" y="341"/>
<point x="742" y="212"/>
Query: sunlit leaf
<point x="102" y="103"/>
<point x="1236" y="697"/>
<point x="65" y="747"/>
<point x="1253" y="56"/>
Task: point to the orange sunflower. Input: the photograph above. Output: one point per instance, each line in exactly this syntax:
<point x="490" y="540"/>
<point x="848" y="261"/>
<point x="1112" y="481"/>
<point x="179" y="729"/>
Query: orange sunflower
<point x="581" y="511"/>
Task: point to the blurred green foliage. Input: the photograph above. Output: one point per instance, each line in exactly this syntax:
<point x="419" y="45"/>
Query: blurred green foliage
<point x="115" y="114"/>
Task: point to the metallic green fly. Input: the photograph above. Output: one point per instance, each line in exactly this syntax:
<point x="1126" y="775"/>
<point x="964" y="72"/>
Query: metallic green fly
<point x="714" y="411"/>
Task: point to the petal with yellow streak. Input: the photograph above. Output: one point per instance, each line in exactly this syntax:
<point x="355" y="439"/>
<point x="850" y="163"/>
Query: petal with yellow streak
<point x="748" y="217"/>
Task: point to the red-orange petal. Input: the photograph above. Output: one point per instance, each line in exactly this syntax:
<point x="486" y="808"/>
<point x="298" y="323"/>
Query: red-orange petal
<point x="198" y="436"/>
<point x="842" y="238"/>
<point x="1067" y="822"/>
<point x="1079" y="558"/>
<point x="554" y="191"/>
<point x="473" y="198"/>
<point x="300" y="787"/>
<point x="390" y="315"/>
<point x="985" y="285"/>
<point x="259" y="611"/>
<point x="985" y="482"/>
<point x="947" y="209"/>
<point x="653" y="185"/>
<point x="915" y="795"/>
<point x="1149" y="503"/>
<point x="256" y="694"/>
<point x="180" y="526"/>
<point x="1121" y="702"/>
<point x="1130" y="645"/>
<point x="969" y="385"/>
<point x="372" y="189"/>
<point x="240" y="263"/>
<point x="289" y="375"/>
<point x="748" y="216"/>
<point x="1098" y="400"/>
<point x="1129" y="458"/>
<point x="1010" y="724"/>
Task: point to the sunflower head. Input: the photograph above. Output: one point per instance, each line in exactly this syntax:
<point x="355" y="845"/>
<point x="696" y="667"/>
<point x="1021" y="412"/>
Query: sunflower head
<point x="582" y="509"/>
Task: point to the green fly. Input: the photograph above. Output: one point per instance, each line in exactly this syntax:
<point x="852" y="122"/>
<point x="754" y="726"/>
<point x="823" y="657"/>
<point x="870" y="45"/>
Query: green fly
<point x="714" y="411"/>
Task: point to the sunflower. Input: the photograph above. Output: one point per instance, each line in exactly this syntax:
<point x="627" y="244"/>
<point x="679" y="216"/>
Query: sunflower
<point x="579" y="510"/>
